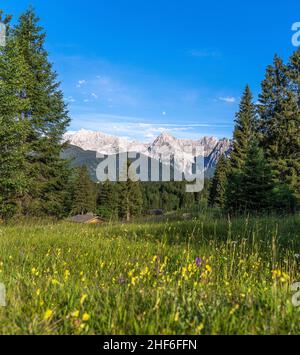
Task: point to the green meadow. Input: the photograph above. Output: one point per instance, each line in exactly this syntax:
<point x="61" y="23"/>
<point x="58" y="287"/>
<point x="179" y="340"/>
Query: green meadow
<point x="208" y="275"/>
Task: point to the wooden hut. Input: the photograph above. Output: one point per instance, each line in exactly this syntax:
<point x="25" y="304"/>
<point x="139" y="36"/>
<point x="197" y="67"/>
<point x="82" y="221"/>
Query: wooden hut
<point x="88" y="218"/>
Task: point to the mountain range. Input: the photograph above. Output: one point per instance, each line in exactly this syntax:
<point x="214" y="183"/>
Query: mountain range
<point x="84" y="146"/>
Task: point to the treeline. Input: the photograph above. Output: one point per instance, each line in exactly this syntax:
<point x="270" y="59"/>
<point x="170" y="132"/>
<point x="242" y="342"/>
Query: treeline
<point x="124" y="200"/>
<point x="262" y="172"/>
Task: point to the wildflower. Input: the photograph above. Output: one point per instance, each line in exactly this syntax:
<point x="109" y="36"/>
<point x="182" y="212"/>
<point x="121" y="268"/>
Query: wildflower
<point x="199" y="261"/>
<point x="234" y="309"/>
<point x="48" y="314"/>
<point x="75" y="314"/>
<point x="38" y="292"/>
<point x="85" y="317"/>
<point x="67" y="274"/>
<point x="121" y="281"/>
<point x="55" y="282"/>
<point x="279" y="275"/>
<point x="199" y="328"/>
<point x="145" y="272"/>
<point x="134" y="279"/>
<point x="83" y="298"/>
<point x="208" y="268"/>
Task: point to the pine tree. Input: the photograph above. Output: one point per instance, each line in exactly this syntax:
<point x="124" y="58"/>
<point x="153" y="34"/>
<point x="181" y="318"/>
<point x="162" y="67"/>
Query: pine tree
<point x="47" y="118"/>
<point x="294" y="124"/>
<point x="251" y="189"/>
<point x="279" y="124"/>
<point x="108" y="200"/>
<point x="84" y="200"/>
<point x="130" y="197"/>
<point x="219" y="182"/>
<point x="13" y="72"/>
<point x="244" y="132"/>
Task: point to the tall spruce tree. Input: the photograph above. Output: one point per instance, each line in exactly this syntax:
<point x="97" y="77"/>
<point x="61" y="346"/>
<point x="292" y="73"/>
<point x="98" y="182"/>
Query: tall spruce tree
<point x="294" y="124"/>
<point x="47" y="119"/>
<point x="218" y="185"/>
<point x="244" y="132"/>
<point x="251" y="188"/>
<point x="108" y="200"/>
<point x="130" y="196"/>
<point x="279" y="124"/>
<point x="13" y="129"/>
<point x="84" y="200"/>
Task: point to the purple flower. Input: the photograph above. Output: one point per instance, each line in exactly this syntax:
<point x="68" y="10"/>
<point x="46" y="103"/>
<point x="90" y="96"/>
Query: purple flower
<point x="199" y="261"/>
<point x="122" y="281"/>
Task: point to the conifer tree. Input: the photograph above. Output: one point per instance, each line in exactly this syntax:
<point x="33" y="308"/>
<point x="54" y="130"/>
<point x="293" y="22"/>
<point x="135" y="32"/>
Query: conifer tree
<point x="108" y="200"/>
<point x="244" y="132"/>
<point x="279" y="124"/>
<point x="251" y="188"/>
<point x="294" y="124"/>
<point x="130" y="197"/>
<point x="13" y="129"/>
<point x="84" y="200"/>
<point x="47" y="119"/>
<point x="219" y="183"/>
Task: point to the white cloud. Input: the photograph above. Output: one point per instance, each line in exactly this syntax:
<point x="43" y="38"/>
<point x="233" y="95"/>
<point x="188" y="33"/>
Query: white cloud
<point x="139" y="129"/>
<point x="95" y="96"/>
<point x="228" y="99"/>
<point x="80" y="83"/>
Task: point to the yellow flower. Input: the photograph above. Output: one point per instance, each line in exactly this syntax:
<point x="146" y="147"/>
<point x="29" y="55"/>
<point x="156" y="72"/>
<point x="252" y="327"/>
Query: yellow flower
<point x="67" y="274"/>
<point x="234" y="309"/>
<point x="85" y="317"/>
<point x="199" y="328"/>
<point x="75" y="314"/>
<point x="83" y="298"/>
<point x="55" y="282"/>
<point x="280" y="275"/>
<point x="134" y="280"/>
<point x="208" y="268"/>
<point x="48" y="314"/>
<point x="38" y="292"/>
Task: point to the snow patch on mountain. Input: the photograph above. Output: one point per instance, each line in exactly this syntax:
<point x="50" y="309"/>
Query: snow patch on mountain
<point x="160" y="148"/>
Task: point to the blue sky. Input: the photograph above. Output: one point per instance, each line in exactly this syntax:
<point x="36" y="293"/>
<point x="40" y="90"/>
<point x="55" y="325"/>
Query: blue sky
<point x="135" y="68"/>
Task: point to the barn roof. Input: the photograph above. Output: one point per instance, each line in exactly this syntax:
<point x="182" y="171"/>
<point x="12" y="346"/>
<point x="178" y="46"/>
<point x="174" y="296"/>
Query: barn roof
<point x="84" y="218"/>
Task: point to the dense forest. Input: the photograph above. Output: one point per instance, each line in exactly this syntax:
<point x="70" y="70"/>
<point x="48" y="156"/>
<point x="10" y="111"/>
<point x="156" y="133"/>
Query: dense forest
<point x="262" y="173"/>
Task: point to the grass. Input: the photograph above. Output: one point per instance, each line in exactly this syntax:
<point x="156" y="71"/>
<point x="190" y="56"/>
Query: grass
<point x="143" y="278"/>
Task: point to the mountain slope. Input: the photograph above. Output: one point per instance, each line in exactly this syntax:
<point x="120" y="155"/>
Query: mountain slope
<point x="84" y="146"/>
